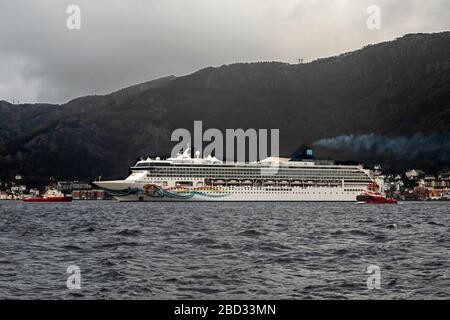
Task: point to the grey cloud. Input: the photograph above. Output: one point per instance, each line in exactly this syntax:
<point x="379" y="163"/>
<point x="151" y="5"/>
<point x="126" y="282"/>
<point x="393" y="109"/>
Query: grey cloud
<point x="127" y="42"/>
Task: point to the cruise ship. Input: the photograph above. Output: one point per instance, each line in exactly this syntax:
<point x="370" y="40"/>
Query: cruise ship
<point x="183" y="178"/>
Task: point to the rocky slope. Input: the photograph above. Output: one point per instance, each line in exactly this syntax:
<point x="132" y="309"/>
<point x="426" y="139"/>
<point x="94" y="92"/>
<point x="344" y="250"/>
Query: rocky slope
<point x="392" y="90"/>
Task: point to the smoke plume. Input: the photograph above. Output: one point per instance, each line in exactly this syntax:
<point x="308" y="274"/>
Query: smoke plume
<point x="435" y="145"/>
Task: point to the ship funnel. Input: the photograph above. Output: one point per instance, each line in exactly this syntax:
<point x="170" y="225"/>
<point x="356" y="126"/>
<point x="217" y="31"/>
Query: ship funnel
<point x="303" y="153"/>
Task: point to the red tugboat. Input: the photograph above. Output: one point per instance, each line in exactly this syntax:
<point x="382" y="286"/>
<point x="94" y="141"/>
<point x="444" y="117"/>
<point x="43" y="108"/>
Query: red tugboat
<point x="374" y="195"/>
<point x="52" y="195"/>
<point x="374" y="198"/>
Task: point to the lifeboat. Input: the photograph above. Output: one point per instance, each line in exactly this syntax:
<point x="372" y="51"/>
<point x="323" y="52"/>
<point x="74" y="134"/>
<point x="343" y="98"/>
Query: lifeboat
<point x="269" y="182"/>
<point x="296" y="183"/>
<point x="374" y="198"/>
<point x="283" y="183"/>
<point x="233" y="182"/>
<point x="247" y="182"/>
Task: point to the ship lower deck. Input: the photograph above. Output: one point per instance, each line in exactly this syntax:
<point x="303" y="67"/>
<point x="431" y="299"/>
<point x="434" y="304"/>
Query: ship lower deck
<point x="222" y="190"/>
<point x="224" y="194"/>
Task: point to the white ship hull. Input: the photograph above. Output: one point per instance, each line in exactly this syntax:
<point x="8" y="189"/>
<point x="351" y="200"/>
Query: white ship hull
<point x="136" y="192"/>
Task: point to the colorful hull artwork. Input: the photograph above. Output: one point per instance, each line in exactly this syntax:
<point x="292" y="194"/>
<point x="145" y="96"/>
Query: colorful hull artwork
<point x="181" y="193"/>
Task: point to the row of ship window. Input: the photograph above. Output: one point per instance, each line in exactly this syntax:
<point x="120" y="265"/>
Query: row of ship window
<point x="259" y="173"/>
<point x="268" y="177"/>
<point x="253" y="171"/>
<point x="237" y="171"/>
<point x="295" y="192"/>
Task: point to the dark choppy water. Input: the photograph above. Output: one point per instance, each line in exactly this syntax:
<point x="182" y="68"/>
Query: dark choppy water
<point x="224" y="251"/>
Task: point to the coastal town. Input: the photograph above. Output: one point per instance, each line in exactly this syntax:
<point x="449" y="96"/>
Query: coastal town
<point x="416" y="185"/>
<point x="16" y="189"/>
<point x="412" y="185"/>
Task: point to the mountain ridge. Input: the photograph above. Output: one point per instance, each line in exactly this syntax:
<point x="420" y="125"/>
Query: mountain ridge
<point x="394" y="89"/>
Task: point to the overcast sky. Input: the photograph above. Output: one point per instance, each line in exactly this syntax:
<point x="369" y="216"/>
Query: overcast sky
<point x="124" y="42"/>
